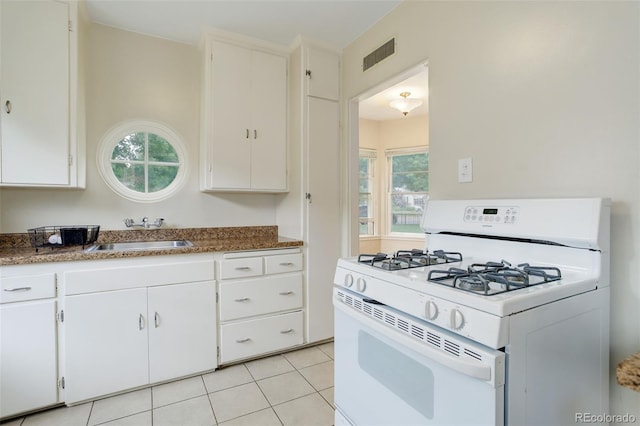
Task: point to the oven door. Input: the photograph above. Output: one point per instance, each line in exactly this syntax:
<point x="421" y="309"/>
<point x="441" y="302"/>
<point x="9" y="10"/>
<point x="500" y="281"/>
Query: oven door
<point x="387" y="376"/>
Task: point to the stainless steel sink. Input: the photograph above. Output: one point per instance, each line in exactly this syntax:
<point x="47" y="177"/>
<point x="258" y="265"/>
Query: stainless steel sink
<point x="140" y="245"/>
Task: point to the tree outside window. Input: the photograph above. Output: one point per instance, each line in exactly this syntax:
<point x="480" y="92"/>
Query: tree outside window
<point x="409" y="189"/>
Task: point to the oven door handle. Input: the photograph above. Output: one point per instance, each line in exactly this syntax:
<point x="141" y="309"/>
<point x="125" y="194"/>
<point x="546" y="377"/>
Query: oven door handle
<point x="467" y="367"/>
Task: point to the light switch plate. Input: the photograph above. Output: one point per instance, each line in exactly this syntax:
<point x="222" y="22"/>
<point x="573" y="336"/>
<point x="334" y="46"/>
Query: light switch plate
<point x="465" y="170"/>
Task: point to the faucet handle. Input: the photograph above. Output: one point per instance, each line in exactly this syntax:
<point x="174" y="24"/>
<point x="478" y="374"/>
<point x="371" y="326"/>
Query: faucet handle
<point x="159" y="222"/>
<point x="128" y="222"/>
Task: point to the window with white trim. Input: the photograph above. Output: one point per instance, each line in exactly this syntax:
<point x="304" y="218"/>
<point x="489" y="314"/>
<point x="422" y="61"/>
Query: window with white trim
<point x="366" y="204"/>
<point x="142" y="160"/>
<point x="408" y="189"/>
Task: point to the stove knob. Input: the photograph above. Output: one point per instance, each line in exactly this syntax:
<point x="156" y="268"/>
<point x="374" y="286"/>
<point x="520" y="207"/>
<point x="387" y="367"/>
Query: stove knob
<point x="457" y="319"/>
<point x="348" y="280"/>
<point x="431" y="310"/>
<point x="361" y="285"/>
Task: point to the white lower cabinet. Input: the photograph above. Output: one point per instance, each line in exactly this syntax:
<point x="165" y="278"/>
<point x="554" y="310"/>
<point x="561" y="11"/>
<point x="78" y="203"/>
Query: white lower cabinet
<point x="182" y="330"/>
<point x="28" y="340"/>
<point x="106" y="343"/>
<point x="154" y="331"/>
<point x="28" y="364"/>
<point x="249" y="338"/>
<point x="261" y="300"/>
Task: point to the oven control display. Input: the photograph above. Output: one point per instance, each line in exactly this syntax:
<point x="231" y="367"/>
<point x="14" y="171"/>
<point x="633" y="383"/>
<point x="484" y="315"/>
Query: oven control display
<point x="491" y="215"/>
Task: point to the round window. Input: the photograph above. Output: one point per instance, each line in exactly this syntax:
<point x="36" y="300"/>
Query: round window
<point x="142" y="161"/>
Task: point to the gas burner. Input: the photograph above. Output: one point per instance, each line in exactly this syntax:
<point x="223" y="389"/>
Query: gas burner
<point x="494" y="277"/>
<point x="471" y="282"/>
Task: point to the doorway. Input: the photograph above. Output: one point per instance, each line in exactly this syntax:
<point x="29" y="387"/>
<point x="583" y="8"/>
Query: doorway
<point x="389" y="164"/>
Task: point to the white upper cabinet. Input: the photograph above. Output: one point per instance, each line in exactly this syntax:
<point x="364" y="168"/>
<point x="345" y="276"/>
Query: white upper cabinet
<point x="322" y="70"/>
<point x="244" y="137"/>
<point x="38" y="94"/>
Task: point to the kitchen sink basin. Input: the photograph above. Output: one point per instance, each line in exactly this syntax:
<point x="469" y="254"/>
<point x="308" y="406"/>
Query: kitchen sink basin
<point x="140" y="245"/>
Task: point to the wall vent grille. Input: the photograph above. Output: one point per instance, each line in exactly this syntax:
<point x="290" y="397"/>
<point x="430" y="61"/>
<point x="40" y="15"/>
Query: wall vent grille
<point x="382" y="52"/>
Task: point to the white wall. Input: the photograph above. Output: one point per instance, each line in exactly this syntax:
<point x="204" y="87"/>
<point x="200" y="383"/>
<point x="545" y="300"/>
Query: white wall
<point x="135" y="76"/>
<point x="545" y="97"/>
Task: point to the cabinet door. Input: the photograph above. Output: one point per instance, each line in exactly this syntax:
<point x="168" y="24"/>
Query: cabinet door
<point x="231" y="133"/>
<point x="182" y="330"/>
<point x="269" y="121"/>
<point x="28" y="360"/>
<point x="35" y="102"/>
<point x="322" y="231"/>
<point x="105" y="343"/>
<point x="323" y="74"/>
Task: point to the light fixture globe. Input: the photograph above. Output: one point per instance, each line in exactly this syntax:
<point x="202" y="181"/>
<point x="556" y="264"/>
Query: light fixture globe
<point x="405" y="105"/>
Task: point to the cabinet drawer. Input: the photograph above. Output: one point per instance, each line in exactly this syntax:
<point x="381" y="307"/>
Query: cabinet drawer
<point x="239" y="268"/>
<point x="254" y="337"/>
<point x="283" y="263"/>
<point x="241" y="299"/>
<point x="27" y="287"/>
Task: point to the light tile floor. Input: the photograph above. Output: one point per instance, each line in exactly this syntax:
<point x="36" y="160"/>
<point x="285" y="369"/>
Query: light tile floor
<point x="292" y="389"/>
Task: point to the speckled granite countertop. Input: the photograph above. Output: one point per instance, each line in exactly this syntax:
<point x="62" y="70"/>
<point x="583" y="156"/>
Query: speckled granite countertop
<point x="628" y="372"/>
<point x="16" y="249"/>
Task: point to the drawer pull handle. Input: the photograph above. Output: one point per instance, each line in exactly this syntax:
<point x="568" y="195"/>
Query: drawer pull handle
<point x="140" y="322"/>
<point x="286" y="263"/>
<point x="243" y="268"/>
<point x="242" y="299"/>
<point x="18" y="289"/>
<point x="156" y="319"/>
<point x="287" y="331"/>
<point x="286" y="293"/>
<point x="246" y="339"/>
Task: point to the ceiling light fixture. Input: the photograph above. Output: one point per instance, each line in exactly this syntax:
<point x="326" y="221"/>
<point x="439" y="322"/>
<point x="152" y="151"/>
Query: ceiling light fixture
<point x="405" y="105"/>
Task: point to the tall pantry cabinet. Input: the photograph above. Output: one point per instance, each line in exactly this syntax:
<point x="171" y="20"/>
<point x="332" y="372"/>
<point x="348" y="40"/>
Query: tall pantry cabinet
<point x="312" y="208"/>
<point x="41" y="139"/>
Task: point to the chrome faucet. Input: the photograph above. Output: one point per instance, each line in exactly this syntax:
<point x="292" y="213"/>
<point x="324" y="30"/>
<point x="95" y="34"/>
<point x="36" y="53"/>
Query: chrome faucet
<point x="144" y="223"/>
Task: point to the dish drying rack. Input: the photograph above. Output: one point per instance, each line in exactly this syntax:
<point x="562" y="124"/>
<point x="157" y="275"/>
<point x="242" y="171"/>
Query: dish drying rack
<point x="62" y="236"/>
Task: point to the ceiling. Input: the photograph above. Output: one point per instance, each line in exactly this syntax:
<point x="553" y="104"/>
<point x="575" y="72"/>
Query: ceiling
<point x="335" y="22"/>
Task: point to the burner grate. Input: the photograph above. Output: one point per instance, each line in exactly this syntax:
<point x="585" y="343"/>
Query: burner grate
<point x="405" y="259"/>
<point x="494" y="277"/>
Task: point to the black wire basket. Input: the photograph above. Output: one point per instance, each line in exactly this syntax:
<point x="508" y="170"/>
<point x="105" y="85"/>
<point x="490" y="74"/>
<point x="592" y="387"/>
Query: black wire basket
<point x="63" y="236"/>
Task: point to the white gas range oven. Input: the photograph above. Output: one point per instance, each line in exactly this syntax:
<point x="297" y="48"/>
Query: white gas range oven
<point x="502" y="320"/>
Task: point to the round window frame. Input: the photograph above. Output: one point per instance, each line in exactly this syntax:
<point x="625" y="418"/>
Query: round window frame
<point x="113" y="137"/>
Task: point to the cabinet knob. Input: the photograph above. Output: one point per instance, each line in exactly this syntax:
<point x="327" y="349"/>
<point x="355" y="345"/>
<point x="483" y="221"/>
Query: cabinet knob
<point x="246" y="339"/>
<point x="308" y="73"/>
<point x="7" y="107"/>
<point x="243" y="268"/>
<point x="287" y="331"/>
<point x="243" y="299"/>
<point x="286" y="293"/>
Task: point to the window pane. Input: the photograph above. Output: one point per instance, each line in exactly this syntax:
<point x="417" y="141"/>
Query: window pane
<point x="160" y="150"/>
<point x="409" y="189"/>
<point x="410" y="173"/>
<point x="161" y="176"/>
<point x="130" y="148"/>
<point x="131" y="175"/>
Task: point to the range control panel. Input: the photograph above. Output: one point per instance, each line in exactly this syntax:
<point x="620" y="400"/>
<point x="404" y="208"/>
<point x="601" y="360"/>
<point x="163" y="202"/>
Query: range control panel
<point x="485" y="214"/>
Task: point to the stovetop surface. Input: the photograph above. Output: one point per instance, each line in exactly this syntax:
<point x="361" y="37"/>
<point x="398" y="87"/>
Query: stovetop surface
<point x="571" y="280"/>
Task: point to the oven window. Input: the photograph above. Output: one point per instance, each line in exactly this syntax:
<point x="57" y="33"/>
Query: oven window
<point x="411" y="381"/>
